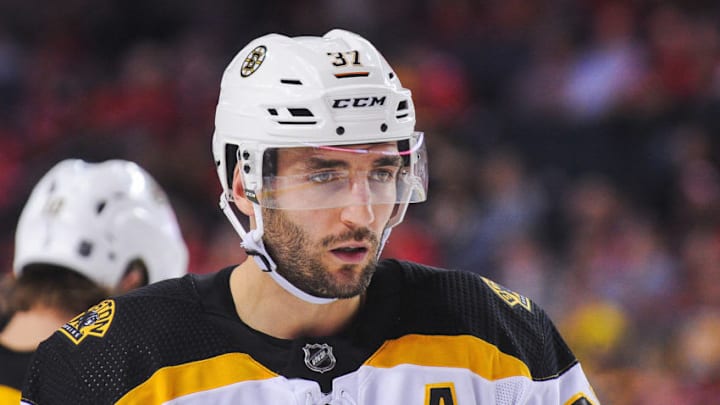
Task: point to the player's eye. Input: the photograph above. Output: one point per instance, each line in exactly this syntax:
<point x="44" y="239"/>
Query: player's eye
<point x="382" y="175"/>
<point x="325" y="177"/>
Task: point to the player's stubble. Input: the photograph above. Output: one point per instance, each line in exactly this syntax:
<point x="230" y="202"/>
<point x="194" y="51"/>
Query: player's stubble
<point x="298" y="258"/>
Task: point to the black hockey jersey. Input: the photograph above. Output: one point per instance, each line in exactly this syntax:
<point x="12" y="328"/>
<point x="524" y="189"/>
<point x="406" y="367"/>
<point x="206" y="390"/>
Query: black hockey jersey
<point x="12" y="371"/>
<point x="423" y="336"/>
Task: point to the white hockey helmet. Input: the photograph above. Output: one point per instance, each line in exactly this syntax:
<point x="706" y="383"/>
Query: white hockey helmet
<point x="334" y="90"/>
<point x="96" y="218"/>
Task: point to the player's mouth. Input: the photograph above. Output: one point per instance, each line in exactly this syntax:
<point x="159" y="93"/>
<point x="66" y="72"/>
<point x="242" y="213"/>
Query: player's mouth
<point x="351" y="254"/>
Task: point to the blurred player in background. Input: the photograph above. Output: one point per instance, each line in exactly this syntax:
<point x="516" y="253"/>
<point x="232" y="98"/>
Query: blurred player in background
<point x="88" y="230"/>
<point x="317" y="153"/>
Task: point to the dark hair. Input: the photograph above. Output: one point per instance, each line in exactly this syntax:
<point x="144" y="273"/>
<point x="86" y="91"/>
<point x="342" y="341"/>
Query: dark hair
<point x="54" y="286"/>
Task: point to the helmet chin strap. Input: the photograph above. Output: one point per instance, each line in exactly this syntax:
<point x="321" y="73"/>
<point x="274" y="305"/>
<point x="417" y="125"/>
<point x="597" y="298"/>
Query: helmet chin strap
<point x="253" y="244"/>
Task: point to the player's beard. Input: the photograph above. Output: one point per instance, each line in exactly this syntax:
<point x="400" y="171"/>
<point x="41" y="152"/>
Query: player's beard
<point x="298" y="260"/>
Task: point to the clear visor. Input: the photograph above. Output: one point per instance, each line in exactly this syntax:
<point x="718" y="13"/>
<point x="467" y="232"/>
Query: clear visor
<point x="316" y="177"/>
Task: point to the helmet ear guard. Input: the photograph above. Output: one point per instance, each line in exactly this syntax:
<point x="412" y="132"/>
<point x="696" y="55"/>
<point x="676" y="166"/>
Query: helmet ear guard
<point x="231" y="160"/>
<point x="330" y="91"/>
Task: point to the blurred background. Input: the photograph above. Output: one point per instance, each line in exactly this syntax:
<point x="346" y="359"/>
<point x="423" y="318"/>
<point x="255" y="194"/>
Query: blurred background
<point x="573" y="147"/>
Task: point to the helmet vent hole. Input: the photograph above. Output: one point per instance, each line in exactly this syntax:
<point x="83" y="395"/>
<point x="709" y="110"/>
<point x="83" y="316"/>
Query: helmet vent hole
<point x="100" y="207"/>
<point x="300" y="112"/>
<point x="339" y="130"/>
<point x="402" y="106"/>
<point x="273" y="111"/>
<point x="294" y="82"/>
<point x="391" y="75"/>
<point x="246" y="168"/>
<point x="383" y="127"/>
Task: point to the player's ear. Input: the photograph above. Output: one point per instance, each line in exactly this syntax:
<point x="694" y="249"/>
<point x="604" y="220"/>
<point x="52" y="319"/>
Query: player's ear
<point x="136" y="275"/>
<point x="241" y="201"/>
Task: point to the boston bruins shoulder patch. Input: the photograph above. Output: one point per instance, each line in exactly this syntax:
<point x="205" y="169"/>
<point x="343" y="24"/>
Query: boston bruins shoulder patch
<point x="510" y="297"/>
<point x="93" y="322"/>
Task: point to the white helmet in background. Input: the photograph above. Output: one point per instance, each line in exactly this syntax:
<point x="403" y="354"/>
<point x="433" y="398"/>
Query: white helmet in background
<point x="334" y="90"/>
<point x="97" y="218"/>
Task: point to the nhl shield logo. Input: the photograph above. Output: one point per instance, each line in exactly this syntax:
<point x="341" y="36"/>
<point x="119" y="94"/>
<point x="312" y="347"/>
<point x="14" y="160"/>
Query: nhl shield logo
<point x="319" y="357"/>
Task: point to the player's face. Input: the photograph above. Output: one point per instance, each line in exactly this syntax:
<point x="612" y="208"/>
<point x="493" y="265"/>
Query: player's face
<point x="331" y="252"/>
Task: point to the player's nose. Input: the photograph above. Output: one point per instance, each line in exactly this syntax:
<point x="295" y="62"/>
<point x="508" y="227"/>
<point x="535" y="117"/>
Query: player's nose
<point x="359" y="211"/>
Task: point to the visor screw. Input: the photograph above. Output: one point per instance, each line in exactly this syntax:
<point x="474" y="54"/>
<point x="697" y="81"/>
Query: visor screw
<point x="383" y="127"/>
<point x="339" y="130"/>
<point x="246" y="168"/>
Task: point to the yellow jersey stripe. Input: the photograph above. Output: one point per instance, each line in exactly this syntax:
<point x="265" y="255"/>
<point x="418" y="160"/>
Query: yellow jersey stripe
<point x="9" y="395"/>
<point x="462" y="351"/>
<point x="173" y="382"/>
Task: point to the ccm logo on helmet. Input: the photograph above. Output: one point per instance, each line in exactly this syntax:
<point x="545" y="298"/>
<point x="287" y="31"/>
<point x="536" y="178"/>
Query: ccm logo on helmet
<point x="358" y="102"/>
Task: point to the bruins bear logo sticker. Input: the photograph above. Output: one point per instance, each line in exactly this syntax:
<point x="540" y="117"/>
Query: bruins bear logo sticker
<point x="93" y="322"/>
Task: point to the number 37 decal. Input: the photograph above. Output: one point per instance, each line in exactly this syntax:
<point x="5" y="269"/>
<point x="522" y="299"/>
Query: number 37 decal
<point x="340" y="59"/>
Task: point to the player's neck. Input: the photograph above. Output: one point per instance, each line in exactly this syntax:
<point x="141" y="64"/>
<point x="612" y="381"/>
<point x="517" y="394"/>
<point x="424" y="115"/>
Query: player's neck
<point x="26" y="329"/>
<point x="268" y="308"/>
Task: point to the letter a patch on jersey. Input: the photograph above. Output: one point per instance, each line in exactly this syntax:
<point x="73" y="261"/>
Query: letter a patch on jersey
<point x="93" y="322"/>
<point x="440" y="394"/>
<point x="510" y="297"/>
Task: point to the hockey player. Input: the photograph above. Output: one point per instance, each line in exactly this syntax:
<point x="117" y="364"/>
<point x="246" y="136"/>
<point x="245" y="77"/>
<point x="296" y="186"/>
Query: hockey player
<point x="318" y="157"/>
<point x="87" y="231"/>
